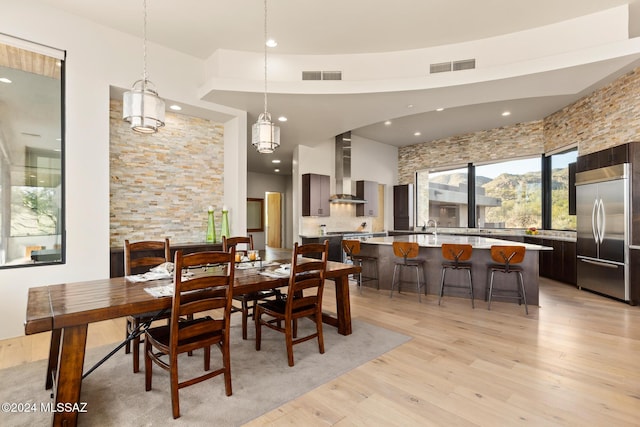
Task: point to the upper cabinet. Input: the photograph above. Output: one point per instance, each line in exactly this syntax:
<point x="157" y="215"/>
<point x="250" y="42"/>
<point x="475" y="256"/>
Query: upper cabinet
<point x="315" y="195"/>
<point x="368" y="191"/>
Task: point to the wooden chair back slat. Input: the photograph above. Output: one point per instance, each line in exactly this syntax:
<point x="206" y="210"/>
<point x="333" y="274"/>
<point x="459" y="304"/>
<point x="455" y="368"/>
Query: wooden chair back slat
<point x="307" y="275"/>
<point x="507" y="254"/>
<point x="406" y="249"/>
<point x="229" y="242"/>
<point x="136" y="254"/>
<point x="351" y="247"/>
<point x="202" y="293"/>
<point x="456" y="252"/>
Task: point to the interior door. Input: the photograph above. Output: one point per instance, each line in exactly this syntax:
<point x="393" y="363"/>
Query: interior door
<point x="274" y="220"/>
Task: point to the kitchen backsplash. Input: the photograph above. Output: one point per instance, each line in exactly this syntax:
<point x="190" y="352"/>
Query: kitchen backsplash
<point x="343" y="218"/>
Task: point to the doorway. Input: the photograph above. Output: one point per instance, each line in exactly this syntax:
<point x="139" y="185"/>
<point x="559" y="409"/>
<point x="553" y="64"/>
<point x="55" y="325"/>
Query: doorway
<point x="274" y="219"/>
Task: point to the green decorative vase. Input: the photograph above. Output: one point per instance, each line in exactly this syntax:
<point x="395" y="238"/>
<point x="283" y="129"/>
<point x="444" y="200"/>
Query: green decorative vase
<point x="211" y="227"/>
<point x="224" y="231"/>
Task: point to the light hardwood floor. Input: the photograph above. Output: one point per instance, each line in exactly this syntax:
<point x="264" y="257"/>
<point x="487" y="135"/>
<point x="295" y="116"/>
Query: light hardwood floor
<point x="573" y="361"/>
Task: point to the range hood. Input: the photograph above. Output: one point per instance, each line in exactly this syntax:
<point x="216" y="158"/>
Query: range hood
<point x="343" y="171"/>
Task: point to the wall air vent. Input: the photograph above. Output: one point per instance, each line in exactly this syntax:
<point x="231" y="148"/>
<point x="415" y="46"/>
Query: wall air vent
<point x="466" y="64"/>
<point x="441" y="67"/>
<point x="322" y="75"/>
<point x="332" y="75"/>
<point x="312" y="75"/>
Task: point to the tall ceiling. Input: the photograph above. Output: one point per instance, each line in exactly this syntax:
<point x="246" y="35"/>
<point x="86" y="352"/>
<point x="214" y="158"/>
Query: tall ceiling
<point x="332" y="27"/>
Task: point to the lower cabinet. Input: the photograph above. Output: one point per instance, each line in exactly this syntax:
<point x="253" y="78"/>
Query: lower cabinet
<point x="559" y="264"/>
<point x="335" y="245"/>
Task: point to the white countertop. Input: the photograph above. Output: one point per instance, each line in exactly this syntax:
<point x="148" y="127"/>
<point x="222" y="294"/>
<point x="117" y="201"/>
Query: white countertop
<point x="431" y="241"/>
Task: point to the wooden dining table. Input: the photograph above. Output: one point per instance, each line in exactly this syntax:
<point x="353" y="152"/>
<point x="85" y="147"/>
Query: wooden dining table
<point x="66" y="310"/>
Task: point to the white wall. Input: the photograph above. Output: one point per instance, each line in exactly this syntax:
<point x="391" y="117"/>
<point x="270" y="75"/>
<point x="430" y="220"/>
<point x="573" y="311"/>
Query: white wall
<point x="97" y="58"/>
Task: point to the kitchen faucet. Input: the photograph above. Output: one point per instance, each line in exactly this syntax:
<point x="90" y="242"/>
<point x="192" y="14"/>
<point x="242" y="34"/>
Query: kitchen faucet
<point x="435" y="226"/>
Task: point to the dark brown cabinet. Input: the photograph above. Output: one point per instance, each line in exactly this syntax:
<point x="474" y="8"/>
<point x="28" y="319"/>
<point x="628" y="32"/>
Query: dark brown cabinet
<point x="601" y="159"/>
<point x="367" y="190"/>
<point x="315" y="195"/>
<point x="558" y="264"/>
<point x="403" y="207"/>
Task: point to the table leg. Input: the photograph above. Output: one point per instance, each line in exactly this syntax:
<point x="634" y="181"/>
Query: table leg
<point x="343" y="307"/>
<point x="54" y="350"/>
<point x="69" y="375"/>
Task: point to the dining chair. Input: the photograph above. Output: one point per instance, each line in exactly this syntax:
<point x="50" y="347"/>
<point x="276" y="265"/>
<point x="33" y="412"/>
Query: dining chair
<point x="407" y="257"/>
<point x="455" y="257"/>
<point x="138" y="258"/>
<point x="351" y="248"/>
<point x="247" y="301"/>
<point x="210" y="291"/>
<point x="506" y="259"/>
<point x="303" y="299"/>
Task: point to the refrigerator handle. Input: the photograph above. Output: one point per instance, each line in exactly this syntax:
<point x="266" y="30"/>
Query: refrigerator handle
<point x="594" y="225"/>
<point x="602" y="223"/>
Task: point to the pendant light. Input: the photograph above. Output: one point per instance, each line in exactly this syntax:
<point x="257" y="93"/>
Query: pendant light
<point x="142" y="107"/>
<point x="265" y="135"/>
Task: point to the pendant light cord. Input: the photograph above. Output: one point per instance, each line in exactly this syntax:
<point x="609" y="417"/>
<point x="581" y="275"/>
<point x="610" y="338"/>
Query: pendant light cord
<point x="265" y="59"/>
<point x="144" y="45"/>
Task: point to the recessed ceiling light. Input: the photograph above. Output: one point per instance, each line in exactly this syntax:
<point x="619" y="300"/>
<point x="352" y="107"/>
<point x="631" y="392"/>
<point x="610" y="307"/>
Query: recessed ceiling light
<point x="387" y="123"/>
<point x="282" y="119"/>
<point x="417" y="134"/>
<point x="410" y="106"/>
<point x="506" y="113"/>
<point x="440" y="109"/>
<point x="275" y="161"/>
<point x="4" y="80"/>
<point x="175" y="107"/>
<point x="271" y="43"/>
<point x="276" y="170"/>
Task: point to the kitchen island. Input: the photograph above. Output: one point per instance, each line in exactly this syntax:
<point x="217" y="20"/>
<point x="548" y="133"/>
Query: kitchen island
<point x="430" y="251"/>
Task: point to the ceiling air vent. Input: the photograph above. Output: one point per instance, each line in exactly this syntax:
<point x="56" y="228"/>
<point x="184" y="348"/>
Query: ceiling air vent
<point x="332" y="75"/>
<point x="441" y="67"/>
<point x="322" y="75"/>
<point x="466" y="64"/>
<point x="312" y="75"/>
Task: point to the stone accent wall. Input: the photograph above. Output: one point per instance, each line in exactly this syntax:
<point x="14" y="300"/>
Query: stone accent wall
<point x="522" y="139"/>
<point x="162" y="184"/>
<point x="608" y="117"/>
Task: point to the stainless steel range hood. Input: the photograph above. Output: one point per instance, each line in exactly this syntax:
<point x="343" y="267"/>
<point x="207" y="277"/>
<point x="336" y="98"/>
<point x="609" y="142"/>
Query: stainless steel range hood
<point x="343" y="171"/>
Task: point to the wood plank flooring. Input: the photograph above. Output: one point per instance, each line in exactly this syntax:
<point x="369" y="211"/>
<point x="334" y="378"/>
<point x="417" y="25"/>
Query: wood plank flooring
<point x="575" y="360"/>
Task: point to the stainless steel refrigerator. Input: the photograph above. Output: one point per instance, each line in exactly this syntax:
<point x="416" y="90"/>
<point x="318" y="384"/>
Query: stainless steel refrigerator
<point x="602" y="209"/>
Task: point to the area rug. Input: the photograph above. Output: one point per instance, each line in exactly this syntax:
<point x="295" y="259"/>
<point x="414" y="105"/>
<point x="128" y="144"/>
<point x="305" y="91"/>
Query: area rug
<point x="262" y="381"/>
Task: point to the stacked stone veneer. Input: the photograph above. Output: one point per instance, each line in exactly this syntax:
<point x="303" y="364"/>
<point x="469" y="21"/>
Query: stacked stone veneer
<point x="608" y="117"/>
<point x="162" y="184"/>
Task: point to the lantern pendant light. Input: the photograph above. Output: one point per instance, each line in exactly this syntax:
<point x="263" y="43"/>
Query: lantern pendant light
<point x="142" y="107"/>
<point x="265" y="135"/>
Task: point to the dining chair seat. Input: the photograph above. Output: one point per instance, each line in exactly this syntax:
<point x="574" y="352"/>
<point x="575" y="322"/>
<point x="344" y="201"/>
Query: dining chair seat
<point x="247" y="301"/>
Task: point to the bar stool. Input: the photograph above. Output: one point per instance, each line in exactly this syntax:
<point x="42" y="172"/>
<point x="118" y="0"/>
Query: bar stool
<point x="455" y="255"/>
<point x="406" y="253"/>
<point x="506" y="257"/>
<point x="352" y="249"/>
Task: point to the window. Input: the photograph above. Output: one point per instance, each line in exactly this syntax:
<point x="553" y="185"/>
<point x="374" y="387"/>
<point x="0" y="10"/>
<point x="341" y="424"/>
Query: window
<point x="31" y="155"/>
<point x="509" y="194"/>
<point x="561" y="219"/>
<point x="442" y="197"/>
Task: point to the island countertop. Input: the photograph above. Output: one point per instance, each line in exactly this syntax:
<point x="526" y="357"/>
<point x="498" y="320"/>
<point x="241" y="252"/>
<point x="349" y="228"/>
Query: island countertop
<point x="431" y="241"/>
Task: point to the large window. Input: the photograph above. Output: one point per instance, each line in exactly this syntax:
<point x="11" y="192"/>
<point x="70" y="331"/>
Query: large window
<point x="561" y="217"/>
<point x="442" y="197"/>
<point x="31" y="155"/>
